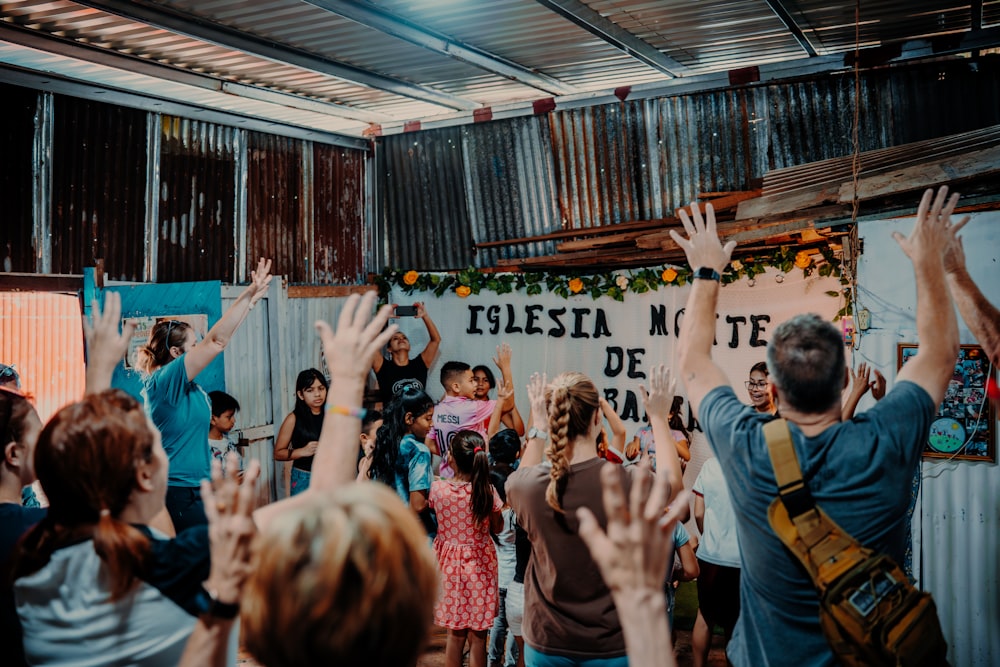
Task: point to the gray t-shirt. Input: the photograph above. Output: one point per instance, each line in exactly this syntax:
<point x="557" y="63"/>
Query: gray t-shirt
<point x="858" y="471"/>
<point x="568" y="609"/>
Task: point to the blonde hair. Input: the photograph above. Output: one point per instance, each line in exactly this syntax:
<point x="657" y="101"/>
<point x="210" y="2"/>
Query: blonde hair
<point x="333" y="578"/>
<point x="572" y="400"/>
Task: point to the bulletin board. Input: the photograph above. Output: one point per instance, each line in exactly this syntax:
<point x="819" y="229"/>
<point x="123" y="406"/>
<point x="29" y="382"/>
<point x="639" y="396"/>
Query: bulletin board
<point x="964" y="426"/>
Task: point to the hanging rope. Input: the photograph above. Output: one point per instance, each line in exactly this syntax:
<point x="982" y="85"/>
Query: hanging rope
<point x="850" y="266"/>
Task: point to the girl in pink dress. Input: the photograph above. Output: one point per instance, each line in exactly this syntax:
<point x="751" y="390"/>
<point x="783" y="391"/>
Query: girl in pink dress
<point x="468" y="510"/>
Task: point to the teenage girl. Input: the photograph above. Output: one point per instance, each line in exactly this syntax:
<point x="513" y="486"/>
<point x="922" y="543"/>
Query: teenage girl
<point x="401" y="459"/>
<point x="298" y="437"/>
<point x="468" y="510"/>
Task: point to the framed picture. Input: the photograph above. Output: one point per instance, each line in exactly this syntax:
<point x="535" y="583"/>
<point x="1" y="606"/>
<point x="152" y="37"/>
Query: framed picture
<point x="964" y="427"/>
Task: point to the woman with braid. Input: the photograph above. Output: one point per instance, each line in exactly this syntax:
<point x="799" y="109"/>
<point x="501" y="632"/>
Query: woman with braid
<point x="569" y="615"/>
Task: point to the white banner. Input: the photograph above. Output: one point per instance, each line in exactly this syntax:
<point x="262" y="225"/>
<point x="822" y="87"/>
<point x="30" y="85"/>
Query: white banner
<point x="613" y="342"/>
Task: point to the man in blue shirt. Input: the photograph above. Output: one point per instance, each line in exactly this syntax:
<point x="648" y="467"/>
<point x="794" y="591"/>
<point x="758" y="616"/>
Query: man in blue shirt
<point x="858" y="471"/>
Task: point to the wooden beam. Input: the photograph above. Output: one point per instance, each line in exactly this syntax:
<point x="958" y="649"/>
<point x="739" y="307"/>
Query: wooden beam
<point x="581" y="232"/>
<point x="40" y="282"/>
<point x="926" y="175"/>
<point x="313" y="291"/>
<point x="727" y="202"/>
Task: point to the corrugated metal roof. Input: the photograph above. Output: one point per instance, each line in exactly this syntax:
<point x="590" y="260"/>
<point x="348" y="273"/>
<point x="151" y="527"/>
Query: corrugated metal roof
<point x="337" y="66"/>
<point x="17" y="130"/>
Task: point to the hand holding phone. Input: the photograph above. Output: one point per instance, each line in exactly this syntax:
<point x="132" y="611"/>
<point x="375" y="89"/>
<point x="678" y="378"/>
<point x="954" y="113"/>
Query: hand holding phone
<point x="405" y="311"/>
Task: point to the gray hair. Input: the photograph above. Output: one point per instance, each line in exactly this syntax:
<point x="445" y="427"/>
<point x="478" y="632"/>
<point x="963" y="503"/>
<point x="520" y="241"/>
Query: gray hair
<point x="806" y="360"/>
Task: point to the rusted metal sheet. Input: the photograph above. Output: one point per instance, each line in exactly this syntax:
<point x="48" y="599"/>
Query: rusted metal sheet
<point x="341" y="235"/>
<point x="42" y="335"/>
<point x="197" y="201"/>
<point x="425" y="210"/>
<point x="276" y="227"/>
<point x="98" y="187"/>
<point x="17" y="131"/>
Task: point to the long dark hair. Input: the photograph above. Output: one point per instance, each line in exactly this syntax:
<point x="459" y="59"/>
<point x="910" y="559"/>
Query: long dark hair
<point x="676" y="420"/>
<point x="469" y="451"/>
<point x="307" y="425"/>
<point x="86" y="459"/>
<point x="413" y="402"/>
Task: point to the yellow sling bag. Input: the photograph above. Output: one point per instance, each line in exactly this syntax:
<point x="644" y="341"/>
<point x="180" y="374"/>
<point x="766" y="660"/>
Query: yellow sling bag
<point x="869" y="611"/>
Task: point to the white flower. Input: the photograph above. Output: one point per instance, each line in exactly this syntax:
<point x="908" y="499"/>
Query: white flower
<point x="622" y="282"/>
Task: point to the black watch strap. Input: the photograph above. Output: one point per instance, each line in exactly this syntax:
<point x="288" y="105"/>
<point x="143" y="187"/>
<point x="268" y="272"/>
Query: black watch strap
<point x="707" y="273"/>
<point x="208" y="603"/>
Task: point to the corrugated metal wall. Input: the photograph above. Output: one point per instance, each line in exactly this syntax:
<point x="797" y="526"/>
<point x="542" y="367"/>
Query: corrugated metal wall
<point x="197" y="208"/>
<point x="98" y="199"/>
<point x="642" y="159"/>
<point x="341" y="236"/>
<point x="276" y="225"/>
<point x="42" y="334"/>
<point x="17" y="130"/>
<point x="422" y="181"/>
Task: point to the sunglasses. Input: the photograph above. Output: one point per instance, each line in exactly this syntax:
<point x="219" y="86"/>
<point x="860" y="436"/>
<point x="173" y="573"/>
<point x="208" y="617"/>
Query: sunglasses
<point x="170" y="327"/>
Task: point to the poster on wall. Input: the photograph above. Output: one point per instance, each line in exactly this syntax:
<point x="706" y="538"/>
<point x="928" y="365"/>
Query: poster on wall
<point x="963" y="428"/>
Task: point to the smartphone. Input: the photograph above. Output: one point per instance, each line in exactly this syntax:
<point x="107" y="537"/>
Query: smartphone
<point x="405" y="311"/>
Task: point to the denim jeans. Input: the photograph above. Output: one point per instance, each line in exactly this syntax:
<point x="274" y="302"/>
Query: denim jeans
<point x="299" y="481"/>
<point x="502" y="641"/>
<point x="533" y="658"/>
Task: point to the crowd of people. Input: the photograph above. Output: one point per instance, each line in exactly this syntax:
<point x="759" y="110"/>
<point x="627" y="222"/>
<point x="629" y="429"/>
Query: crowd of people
<point x="554" y="545"/>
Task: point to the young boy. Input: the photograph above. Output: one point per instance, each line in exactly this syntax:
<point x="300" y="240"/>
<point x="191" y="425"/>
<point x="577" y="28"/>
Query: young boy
<point x="459" y="410"/>
<point x="224" y="409"/>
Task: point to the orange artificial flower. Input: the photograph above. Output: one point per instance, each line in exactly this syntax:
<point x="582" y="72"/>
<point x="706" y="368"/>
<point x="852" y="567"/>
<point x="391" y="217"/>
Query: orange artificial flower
<point x="410" y="277"/>
<point x="463" y="291"/>
<point x="575" y="285"/>
<point x="803" y="260"/>
<point x="668" y="275"/>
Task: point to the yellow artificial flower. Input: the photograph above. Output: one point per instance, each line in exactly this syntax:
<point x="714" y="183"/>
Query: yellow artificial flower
<point x="575" y="285"/>
<point x="463" y="291"/>
<point x="668" y="275"/>
<point x="410" y="277"/>
<point x="736" y="264"/>
<point x="803" y="260"/>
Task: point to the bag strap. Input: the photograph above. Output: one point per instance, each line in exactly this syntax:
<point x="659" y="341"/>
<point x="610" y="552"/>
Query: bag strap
<point x="824" y="548"/>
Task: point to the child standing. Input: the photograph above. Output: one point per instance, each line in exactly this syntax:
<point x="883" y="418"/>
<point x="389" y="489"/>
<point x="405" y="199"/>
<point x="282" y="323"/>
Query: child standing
<point x="468" y="510"/>
<point x="298" y="437"/>
<point x="505" y="447"/>
<point x="401" y="460"/>
<point x="459" y="410"/>
<point x="224" y="409"/>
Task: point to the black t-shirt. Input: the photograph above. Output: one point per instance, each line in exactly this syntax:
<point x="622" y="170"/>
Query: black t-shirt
<point x="393" y="379"/>
<point x="15" y="521"/>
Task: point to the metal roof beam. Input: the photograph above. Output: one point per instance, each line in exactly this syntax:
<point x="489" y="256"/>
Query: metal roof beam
<point x="609" y="31"/>
<point x="778" y="7"/>
<point x="230" y="38"/>
<point x="370" y="16"/>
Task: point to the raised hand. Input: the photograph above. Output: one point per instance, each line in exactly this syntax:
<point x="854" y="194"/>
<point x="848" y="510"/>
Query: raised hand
<point x="229" y="506"/>
<point x="260" y="280"/>
<point x="933" y="233"/>
<point x="860" y="380"/>
<point x="702" y="245"/>
<point x="105" y="345"/>
<point x="658" y="399"/>
<point x="539" y="417"/>
<point x="503" y="356"/>
<point x="358" y="337"/>
<point x="878" y="386"/>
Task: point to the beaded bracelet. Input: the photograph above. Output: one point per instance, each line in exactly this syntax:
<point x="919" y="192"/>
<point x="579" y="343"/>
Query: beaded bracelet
<point x="360" y="413"/>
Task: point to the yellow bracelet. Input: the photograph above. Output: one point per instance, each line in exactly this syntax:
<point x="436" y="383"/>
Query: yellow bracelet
<point x="360" y="413"/>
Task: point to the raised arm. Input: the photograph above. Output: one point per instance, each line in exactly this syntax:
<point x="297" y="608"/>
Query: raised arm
<point x="704" y="252"/>
<point x="617" y="426"/>
<point x="981" y="316"/>
<point x="504" y="391"/>
<point x="218" y="337"/>
<point x="937" y="330"/>
<point x="435" y="342"/>
<point x="105" y="345"/>
<point x="503" y="362"/>
<point x="534" y="451"/>
<point x="657" y="404"/>
<point x="348" y="354"/>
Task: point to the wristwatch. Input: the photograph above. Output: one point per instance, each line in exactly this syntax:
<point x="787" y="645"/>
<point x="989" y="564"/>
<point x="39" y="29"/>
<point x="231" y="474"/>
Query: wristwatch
<point x="207" y="602"/>
<point x="707" y="273"/>
<point x="535" y="433"/>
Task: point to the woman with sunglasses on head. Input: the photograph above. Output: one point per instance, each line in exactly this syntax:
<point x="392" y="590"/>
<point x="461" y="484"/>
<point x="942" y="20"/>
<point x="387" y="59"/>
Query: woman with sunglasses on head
<point x="180" y="408"/>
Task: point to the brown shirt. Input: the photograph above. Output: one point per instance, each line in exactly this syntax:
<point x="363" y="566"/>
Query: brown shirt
<point x="567" y="606"/>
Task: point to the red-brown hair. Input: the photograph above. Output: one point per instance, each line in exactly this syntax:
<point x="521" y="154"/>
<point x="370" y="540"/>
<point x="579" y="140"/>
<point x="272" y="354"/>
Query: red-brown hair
<point x="87" y="459"/>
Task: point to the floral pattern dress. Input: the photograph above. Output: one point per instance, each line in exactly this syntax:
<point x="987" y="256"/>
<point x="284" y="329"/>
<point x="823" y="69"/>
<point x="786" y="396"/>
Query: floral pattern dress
<point x="466" y="559"/>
